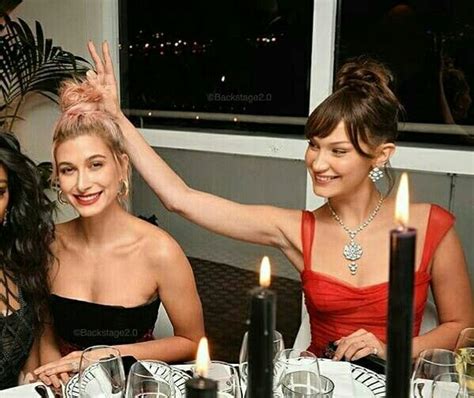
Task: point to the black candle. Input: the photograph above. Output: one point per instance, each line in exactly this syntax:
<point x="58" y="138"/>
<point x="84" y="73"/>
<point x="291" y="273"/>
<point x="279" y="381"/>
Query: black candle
<point x="400" y="301"/>
<point x="200" y="387"/>
<point x="260" y="337"/>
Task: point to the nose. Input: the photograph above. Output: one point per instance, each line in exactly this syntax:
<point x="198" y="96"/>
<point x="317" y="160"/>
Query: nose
<point x="319" y="162"/>
<point x="83" y="181"/>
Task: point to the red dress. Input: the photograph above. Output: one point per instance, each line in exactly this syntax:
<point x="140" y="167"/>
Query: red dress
<point x="337" y="309"/>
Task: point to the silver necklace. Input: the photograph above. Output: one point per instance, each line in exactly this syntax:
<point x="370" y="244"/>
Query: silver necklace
<point x="353" y="250"/>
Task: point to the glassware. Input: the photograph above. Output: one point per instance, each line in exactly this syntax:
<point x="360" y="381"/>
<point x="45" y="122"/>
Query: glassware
<point x="451" y="385"/>
<point x="228" y="385"/>
<point x="278" y="345"/>
<point x="430" y="363"/>
<point x="465" y="357"/>
<point x="296" y="374"/>
<point x="150" y="379"/>
<point x="101" y="373"/>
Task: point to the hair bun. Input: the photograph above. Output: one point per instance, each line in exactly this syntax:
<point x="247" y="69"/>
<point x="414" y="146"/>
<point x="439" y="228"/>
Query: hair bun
<point x="364" y="74"/>
<point x="79" y="97"/>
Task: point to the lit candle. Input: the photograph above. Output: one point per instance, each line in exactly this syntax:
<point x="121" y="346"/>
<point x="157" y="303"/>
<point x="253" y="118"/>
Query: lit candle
<point x="400" y="300"/>
<point x="260" y="337"/>
<point x="200" y="387"/>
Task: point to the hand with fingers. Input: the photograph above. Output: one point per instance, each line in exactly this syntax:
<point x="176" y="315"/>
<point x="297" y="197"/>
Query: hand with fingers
<point x="104" y="79"/>
<point x="61" y="370"/>
<point x="359" y="344"/>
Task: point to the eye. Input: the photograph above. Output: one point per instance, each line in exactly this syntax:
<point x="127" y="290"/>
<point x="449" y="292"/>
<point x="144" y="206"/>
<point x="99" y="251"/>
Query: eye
<point x="96" y="165"/>
<point x="66" y="170"/>
<point x="312" y="145"/>
<point x="3" y="191"/>
<point x="339" y="152"/>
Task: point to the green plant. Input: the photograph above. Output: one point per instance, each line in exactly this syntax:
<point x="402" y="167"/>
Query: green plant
<point x="29" y="63"/>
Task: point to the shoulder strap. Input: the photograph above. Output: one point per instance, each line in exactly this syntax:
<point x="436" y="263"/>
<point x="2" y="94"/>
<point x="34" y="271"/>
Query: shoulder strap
<point x="440" y="222"/>
<point x="307" y="235"/>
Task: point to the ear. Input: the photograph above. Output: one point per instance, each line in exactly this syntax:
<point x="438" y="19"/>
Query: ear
<point x="124" y="163"/>
<point x="383" y="154"/>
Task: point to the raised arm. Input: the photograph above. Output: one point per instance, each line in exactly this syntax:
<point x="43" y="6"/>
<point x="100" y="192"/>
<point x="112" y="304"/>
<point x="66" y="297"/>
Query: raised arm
<point x="258" y="224"/>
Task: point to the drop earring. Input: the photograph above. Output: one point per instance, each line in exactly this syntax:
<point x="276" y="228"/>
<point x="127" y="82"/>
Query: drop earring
<point x="375" y="174"/>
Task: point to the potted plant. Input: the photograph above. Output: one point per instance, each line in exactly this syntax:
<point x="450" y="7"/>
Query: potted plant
<point x="30" y="63"/>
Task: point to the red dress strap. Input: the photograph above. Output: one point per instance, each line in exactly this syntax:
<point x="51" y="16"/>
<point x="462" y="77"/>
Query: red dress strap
<point x="307" y="235"/>
<point x="440" y="222"/>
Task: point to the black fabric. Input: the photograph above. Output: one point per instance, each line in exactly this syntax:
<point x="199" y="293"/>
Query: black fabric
<point x="84" y="324"/>
<point x="16" y="339"/>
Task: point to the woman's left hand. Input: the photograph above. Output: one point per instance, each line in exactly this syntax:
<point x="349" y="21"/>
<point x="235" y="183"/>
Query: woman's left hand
<point x="65" y="365"/>
<point x="358" y="345"/>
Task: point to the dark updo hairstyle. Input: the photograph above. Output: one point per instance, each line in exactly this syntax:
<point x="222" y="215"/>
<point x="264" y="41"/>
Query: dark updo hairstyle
<point x="26" y="237"/>
<point x="363" y="100"/>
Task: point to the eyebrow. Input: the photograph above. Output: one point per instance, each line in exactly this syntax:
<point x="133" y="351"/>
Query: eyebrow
<point x="90" y="158"/>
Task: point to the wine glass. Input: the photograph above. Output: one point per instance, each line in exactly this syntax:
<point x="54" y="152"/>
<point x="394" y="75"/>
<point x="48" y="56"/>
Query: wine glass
<point x="101" y="373"/>
<point x="451" y="385"/>
<point x="150" y="379"/>
<point x="430" y="363"/>
<point x="296" y="374"/>
<point x="465" y="357"/>
<point x="278" y="345"/>
<point x="226" y="377"/>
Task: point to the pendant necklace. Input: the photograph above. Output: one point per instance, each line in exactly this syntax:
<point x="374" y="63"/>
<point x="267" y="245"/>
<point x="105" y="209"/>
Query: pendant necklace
<point x="353" y="250"/>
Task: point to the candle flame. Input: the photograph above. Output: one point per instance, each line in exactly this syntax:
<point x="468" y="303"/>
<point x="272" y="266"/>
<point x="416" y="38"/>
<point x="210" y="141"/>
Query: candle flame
<point x="202" y="358"/>
<point x="402" y="203"/>
<point x="265" y="272"/>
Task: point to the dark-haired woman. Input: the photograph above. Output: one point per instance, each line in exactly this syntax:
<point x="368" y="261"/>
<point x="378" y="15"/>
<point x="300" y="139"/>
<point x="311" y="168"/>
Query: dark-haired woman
<point x="26" y="231"/>
<point x="351" y="137"/>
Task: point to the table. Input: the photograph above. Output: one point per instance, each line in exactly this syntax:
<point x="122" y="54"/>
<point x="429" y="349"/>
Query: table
<point x="351" y="381"/>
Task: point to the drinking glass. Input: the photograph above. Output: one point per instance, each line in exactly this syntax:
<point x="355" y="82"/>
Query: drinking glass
<point x="150" y="379"/>
<point x="296" y="374"/>
<point x="465" y="357"/>
<point x="431" y="363"/>
<point x="228" y="385"/>
<point x="451" y="385"/>
<point x="101" y="373"/>
<point x="278" y="345"/>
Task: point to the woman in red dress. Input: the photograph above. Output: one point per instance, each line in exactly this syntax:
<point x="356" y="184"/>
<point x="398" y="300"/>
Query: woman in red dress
<point x="342" y="248"/>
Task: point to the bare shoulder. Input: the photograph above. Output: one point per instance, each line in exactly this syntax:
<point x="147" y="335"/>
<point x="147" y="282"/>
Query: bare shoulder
<point x="159" y="245"/>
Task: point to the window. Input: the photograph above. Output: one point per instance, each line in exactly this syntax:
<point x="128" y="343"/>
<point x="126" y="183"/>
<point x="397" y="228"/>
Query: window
<point x="429" y="45"/>
<point x="225" y="61"/>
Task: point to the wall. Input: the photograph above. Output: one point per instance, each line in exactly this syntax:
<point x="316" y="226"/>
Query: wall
<point x="72" y="22"/>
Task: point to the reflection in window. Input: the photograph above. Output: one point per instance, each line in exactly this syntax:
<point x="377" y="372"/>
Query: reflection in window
<point x="241" y="57"/>
<point x="428" y="44"/>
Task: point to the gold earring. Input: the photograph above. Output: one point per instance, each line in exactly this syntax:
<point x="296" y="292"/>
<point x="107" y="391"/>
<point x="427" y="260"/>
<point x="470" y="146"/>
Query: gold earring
<point x="123" y="191"/>
<point x="61" y="198"/>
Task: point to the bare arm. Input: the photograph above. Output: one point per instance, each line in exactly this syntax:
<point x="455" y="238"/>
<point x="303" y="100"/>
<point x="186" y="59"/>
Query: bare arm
<point x="452" y="293"/>
<point x="33" y="361"/>
<point x="178" y="293"/>
<point x="258" y="224"/>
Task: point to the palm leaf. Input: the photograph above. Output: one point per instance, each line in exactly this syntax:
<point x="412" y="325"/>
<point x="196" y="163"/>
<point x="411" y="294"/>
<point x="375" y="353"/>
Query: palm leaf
<point x="30" y="63"/>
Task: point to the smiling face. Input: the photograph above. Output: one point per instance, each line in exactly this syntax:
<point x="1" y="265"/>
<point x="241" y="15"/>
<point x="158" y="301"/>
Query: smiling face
<point x="89" y="174"/>
<point x="335" y="167"/>
<point x="4" y="193"/>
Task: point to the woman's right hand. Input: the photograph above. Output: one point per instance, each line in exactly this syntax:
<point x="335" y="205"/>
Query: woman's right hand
<point x="104" y="79"/>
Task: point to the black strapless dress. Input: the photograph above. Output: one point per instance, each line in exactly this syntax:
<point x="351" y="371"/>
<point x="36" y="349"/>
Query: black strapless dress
<point x="81" y="324"/>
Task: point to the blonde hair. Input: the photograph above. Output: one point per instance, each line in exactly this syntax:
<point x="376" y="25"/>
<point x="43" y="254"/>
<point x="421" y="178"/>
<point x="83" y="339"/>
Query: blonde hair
<point x="82" y="114"/>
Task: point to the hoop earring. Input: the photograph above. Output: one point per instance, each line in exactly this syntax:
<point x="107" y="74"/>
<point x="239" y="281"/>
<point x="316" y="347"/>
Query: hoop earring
<point x="123" y="191"/>
<point x="61" y="198"/>
<point x="375" y="174"/>
<point x="5" y="218"/>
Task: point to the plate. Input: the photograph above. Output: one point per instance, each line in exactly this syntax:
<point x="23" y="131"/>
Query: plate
<point x="179" y="378"/>
<point x="367" y="383"/>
